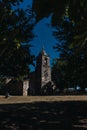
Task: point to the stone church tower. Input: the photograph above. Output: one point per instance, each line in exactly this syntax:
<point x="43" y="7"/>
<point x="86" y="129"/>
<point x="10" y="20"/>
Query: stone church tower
<point x="42" y="71"/>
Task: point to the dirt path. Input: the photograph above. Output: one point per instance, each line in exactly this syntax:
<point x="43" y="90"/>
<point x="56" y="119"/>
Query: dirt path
<point x="29" y="99"/>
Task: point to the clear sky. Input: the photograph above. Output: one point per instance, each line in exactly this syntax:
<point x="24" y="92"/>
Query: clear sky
<point x="43" y="35"/>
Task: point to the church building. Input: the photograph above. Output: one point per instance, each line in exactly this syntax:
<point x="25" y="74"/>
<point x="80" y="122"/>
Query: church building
<point x="40" y="80"/>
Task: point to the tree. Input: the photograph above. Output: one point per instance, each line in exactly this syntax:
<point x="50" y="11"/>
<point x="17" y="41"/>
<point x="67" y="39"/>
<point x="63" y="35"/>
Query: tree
<point x="76" y="10"/>
<point x="72" y="36"/>
<point x="15" y="31"/>
<point x="72" y="46"/>
<point x="64" y="35"/>
<point x="58" y="74"/>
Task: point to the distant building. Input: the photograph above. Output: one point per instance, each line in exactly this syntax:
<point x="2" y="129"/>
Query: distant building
<point x="14" y="86"/>
<point x="40" y="80"/>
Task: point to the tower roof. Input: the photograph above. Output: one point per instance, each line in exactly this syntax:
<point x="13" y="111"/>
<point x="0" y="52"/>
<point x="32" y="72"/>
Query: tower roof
<point x="43" y="52"/>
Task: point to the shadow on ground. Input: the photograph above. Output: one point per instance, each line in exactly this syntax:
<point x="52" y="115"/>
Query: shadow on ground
<point x="44" y="115"/>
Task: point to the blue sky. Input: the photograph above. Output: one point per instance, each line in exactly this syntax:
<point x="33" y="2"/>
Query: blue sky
<point x="43" y="35"/>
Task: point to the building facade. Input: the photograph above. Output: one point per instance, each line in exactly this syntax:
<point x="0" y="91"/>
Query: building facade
<point x="40" y="79"/>
<point x="39" y="82"/>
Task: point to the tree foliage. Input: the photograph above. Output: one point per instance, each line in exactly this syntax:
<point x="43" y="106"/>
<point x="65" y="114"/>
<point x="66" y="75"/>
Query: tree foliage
<point x="16" y="27"/>
<point x="73" y="48"/>
<point x="76" y="10"/>
<point x="70" y="20"/>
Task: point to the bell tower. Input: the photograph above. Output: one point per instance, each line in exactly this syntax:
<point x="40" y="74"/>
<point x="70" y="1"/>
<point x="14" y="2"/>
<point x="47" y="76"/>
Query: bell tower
<point x="43" y="70"/>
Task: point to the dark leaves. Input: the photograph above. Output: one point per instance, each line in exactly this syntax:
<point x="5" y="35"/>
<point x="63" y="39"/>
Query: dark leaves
<point x="15" y="29"/>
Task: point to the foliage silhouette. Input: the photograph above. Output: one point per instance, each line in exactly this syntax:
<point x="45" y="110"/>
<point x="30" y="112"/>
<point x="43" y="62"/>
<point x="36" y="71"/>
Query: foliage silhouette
<point x="16" y="27"/>
<point x="74" y="51"/>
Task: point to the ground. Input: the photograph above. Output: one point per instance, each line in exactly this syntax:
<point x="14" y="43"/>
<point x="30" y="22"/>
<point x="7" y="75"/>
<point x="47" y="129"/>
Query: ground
<point x="43" y="113"/>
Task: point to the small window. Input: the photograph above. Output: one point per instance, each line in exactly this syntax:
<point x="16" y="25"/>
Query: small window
<point x="45" y="61"/>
